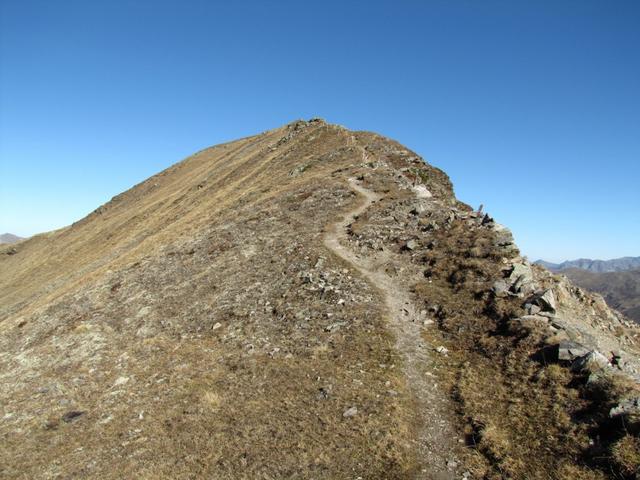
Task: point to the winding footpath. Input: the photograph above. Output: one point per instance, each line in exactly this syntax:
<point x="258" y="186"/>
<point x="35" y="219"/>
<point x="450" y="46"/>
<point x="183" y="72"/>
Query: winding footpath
<point x="436" y="439"/>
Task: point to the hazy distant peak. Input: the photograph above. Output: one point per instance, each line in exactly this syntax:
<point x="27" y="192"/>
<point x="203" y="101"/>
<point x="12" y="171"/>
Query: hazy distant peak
<point x="613" y="265"/>
<point x="9" y="238"/>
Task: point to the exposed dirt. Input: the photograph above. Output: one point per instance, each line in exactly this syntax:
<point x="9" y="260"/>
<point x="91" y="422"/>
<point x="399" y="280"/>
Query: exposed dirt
<point x="435" y="441"/>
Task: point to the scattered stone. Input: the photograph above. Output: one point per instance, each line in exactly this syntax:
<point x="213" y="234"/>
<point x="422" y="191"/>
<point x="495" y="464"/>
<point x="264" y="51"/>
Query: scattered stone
<point x="532" y="318"/>
<point x="598" y="377"/>
<point x="350" y="412"/>
<point x="521" y="279"/>
<point x="557" y="323"/>
<point x="323" y="393"/>
<point x="500" y="287"/>
<point x="630" y="406"/>
<point x="531" y="309"/>
<point x="504" y="237"/>
<point x="216" y="326"/>
<point x="418" y="210"/>
<point x="120" y="381"/>
<point x="442" y="350"/>
<point x="421" y="191"/>
<point x="144" y="311"/>
<point x="72" y="415"/>
<point x="334" y="327"/>
<point x="411" y="245"/>
<point x="546" y="301"/>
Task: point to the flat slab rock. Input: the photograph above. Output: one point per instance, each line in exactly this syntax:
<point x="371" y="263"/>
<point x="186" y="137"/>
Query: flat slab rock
<point x="569" y="351"/>
<point x="592" y="361"/>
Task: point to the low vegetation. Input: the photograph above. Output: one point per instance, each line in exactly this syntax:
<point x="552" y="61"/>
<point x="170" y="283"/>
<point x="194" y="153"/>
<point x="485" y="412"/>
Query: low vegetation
<point x="196" y="326"/>
<point x="526" y="415"/>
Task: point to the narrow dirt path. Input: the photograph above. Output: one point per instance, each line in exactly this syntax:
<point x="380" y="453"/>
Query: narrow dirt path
<point x="437" y="437"/>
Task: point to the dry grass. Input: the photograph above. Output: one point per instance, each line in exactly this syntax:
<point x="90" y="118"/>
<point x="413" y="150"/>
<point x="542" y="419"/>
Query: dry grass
<point x="526" y="417"/>
<point x="196" y="327"/>
<point x="626" y="454"/>
<point x="187" y="324"/>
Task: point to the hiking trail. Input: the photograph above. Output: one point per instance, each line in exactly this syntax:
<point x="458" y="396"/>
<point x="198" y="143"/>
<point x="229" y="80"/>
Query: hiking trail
<point x="437" y="436"/>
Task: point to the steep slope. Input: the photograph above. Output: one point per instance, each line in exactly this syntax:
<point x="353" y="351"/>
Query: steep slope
<point x="621" y="290"/>
<point x="197" y="325"/>
<point x="309" y="302"/>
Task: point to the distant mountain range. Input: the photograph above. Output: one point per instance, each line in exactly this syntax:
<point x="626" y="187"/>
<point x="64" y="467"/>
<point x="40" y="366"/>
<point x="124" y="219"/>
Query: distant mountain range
<point x="621" y="290"/>
<point x="600" y="266"/>
<point x="9" y="238"/>
<point x="617" y="280"/>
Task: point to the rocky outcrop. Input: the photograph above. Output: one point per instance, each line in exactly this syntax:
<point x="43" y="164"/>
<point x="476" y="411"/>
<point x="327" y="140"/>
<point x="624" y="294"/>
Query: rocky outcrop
<point x="579" y="321"/>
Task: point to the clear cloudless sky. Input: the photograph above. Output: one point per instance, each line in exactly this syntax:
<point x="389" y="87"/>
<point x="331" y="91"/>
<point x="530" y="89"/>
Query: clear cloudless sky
<point x="532" y="108"/>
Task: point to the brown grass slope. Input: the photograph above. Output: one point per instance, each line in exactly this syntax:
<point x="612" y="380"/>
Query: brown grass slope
<point x="183" y="329"/>
<point x="197" y="326"/>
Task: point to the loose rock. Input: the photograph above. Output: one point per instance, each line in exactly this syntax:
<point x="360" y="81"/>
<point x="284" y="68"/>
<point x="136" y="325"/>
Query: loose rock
<point x="569" y="351"/>
<point x="71" y="416"/>
<point x="590" y="362"/>
<point x="630" y="406"/>
<point x="350" y="412"/>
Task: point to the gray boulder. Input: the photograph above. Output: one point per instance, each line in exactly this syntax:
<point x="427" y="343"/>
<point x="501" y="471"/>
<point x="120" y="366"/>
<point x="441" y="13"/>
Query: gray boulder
<point x="500" y="287"/>
<point x="350" y="412"/>
<point x="546" y="301"/>
<point x="591" y="362"/>
<point x="531" y="308"/>
<point x="569" y="351"/>
<point x="630" y="406"/>
<point x="521" y="279"/>
<point x="542" y="302"/>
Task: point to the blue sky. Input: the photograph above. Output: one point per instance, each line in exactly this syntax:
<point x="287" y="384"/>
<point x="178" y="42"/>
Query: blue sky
<point x="532" y="108"/>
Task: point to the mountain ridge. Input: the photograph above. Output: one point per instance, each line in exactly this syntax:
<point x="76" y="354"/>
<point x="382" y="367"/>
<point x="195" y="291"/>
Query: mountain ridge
<point x="613" y="265"/>
<point x="308" y="302"/>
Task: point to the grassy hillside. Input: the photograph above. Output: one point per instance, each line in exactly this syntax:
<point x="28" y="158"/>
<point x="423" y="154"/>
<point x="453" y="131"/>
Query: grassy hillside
<point x="310" y="302"/>
<point x="195" y="325"/>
